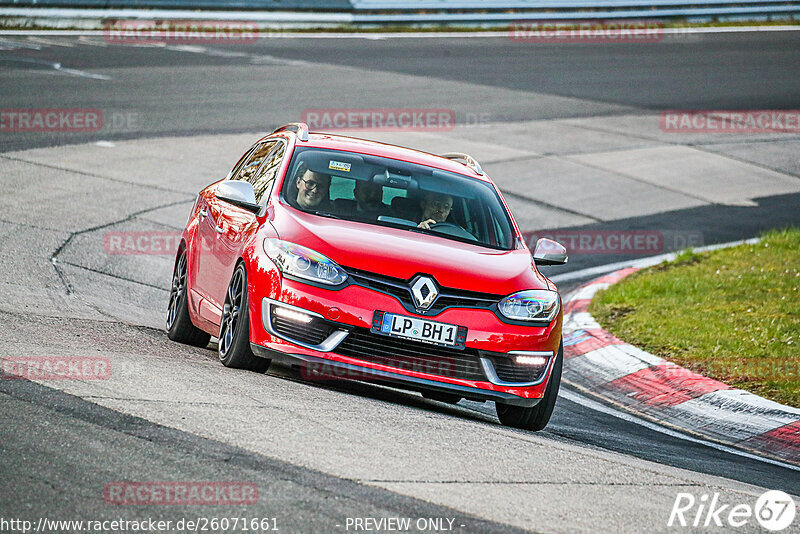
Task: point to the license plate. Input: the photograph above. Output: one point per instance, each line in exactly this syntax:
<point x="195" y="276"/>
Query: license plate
<point x="434" y="332"/>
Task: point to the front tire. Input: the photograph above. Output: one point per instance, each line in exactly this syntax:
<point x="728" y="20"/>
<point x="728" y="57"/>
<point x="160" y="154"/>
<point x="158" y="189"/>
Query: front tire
<point x="536" y="417"/>
<point x="234" y="330"/>
<point x="179" y="324"/>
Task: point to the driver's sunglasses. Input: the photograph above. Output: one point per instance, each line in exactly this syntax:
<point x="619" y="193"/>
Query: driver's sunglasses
<point x="312" y="186"/>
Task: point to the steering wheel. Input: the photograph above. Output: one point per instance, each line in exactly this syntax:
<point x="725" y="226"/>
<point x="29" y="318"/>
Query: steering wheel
<point x="452" y="229"/>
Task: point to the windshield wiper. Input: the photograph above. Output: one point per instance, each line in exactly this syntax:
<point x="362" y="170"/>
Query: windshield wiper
<point x="326" y="214"/>
<point x="394" y="224"/>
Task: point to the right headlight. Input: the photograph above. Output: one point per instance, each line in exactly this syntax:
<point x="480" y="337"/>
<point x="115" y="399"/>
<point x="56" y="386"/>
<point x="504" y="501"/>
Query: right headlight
<point x="539" y="305"/>
<point x="302" y="262"/>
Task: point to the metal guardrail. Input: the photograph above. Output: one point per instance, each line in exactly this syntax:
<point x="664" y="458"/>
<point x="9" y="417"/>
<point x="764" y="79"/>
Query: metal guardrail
<point x="527" y="5"/>
<point x="421" y="12"/>
<point x="283" y="5"/>
<point x="646" y="10"/>
<point x="495" y="11"/>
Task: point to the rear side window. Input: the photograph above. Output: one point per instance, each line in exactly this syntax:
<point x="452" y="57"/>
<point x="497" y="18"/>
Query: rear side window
<point x="240" y="163"/>
<point x="247" y="171"/>
<point x="390" y="193"/>
<point x="263" y="181"/>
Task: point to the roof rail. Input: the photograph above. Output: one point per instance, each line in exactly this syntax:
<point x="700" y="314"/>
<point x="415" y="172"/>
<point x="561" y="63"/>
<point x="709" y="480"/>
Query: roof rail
<point x="300" y="128"/>
<point x="471" y="162"/>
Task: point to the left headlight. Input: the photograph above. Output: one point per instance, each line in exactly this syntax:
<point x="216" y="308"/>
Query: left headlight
<point x="302" y="262"/>
<point x="539" y="305"/>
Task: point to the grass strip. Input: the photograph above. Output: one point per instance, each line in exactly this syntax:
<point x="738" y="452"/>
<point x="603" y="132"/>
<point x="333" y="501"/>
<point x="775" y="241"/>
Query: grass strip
<point x="730" y="314"/>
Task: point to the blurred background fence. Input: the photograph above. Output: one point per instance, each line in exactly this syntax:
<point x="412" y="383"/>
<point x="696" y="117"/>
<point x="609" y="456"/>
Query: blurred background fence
<point x="465" y="12"/>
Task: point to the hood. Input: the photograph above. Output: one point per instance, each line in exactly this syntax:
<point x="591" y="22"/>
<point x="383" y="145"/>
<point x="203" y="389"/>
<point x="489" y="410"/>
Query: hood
<point x="402" y="254"/>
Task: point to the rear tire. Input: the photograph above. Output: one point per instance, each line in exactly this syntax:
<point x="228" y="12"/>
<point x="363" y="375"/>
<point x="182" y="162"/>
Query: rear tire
<point x="234" y="330"/>
<point x="536" y="417"/>
<point x="179" y="324"/>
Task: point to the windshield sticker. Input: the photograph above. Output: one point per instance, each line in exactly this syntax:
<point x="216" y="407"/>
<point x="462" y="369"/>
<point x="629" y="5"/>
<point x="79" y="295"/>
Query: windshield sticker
<point x="339" y="166"/>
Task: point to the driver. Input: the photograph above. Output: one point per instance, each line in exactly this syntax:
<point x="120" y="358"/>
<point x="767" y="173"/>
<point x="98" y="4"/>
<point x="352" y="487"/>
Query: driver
<point x="312" y="190"/>
<point x="435" y="209"/>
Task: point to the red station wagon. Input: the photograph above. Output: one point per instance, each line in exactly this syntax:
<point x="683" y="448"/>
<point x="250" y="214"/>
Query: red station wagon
<point x="355" y="259"/>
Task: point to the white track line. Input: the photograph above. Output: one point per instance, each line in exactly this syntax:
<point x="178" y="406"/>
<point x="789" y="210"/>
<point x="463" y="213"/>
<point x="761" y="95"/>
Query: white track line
<point x="594" y="405"/>
<point x="57" y="67"/>
<point x="47" y="42"/>
<point x="81" y="73"/>
<point x="15" y="45"/>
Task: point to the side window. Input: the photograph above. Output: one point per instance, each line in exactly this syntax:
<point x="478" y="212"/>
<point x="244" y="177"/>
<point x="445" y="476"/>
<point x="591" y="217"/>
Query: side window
<point x="390" y="193"/>
<point x="239" y="163"/>
<point x="342" y="188"/>
<point x="248" y="170"/>
<point x="502" y="238"/>
<point x="459" y="213"/>
<point x="470" y="219"/>
<point x="262" y="183"/>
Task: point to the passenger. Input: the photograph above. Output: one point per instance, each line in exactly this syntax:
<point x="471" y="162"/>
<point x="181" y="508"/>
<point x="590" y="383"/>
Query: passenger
<point x="435" y="209"/>
<point x="368" y="197"/>
<point x="313" y="190"/>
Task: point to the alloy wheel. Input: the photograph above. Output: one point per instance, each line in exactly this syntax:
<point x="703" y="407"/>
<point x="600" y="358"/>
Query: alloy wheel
<point x="230" y="313"/>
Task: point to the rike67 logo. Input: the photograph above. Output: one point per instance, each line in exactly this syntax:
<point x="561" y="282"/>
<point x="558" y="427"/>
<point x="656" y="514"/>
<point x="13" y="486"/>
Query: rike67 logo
<point x="774" y="510"/>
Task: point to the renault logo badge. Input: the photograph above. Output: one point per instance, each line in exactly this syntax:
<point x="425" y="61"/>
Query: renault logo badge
<point x="425" y="292"/>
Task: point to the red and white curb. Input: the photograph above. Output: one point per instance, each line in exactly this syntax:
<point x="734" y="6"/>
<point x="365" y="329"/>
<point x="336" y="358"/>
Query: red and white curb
<point x="599" y="363"/>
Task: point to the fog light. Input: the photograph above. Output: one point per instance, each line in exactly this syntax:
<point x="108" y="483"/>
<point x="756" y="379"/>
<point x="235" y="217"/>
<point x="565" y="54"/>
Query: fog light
<point x="525" y="359"/>
<point x="292" y="315"/>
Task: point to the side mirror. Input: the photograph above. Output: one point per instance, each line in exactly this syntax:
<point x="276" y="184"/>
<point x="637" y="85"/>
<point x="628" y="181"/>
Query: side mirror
<point x="239" y="194"/>
<point x="549" y="252"/>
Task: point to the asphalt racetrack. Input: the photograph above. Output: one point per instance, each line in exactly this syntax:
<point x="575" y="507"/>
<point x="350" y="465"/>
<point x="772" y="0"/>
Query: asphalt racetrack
<point x="570" y="132"/>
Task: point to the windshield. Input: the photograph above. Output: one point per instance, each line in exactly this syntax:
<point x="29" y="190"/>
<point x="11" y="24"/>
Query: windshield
<point x="387" y="192"/>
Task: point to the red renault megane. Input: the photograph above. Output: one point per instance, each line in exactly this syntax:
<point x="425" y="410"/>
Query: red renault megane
<point x="354" y="258"/>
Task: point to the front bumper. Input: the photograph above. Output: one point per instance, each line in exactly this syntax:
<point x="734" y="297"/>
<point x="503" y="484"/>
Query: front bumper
<point x="333" y="369"/>
<point x="340" y="350"/>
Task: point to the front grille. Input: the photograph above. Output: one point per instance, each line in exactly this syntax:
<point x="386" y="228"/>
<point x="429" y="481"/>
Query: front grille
<point x="448" y="300"/>
<point x="385" y="284"/>
<point x="400" y="289"/>
<point x="408" y="355"/>
<point x="509" y="371"/>
<point x="312" y="333"/>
